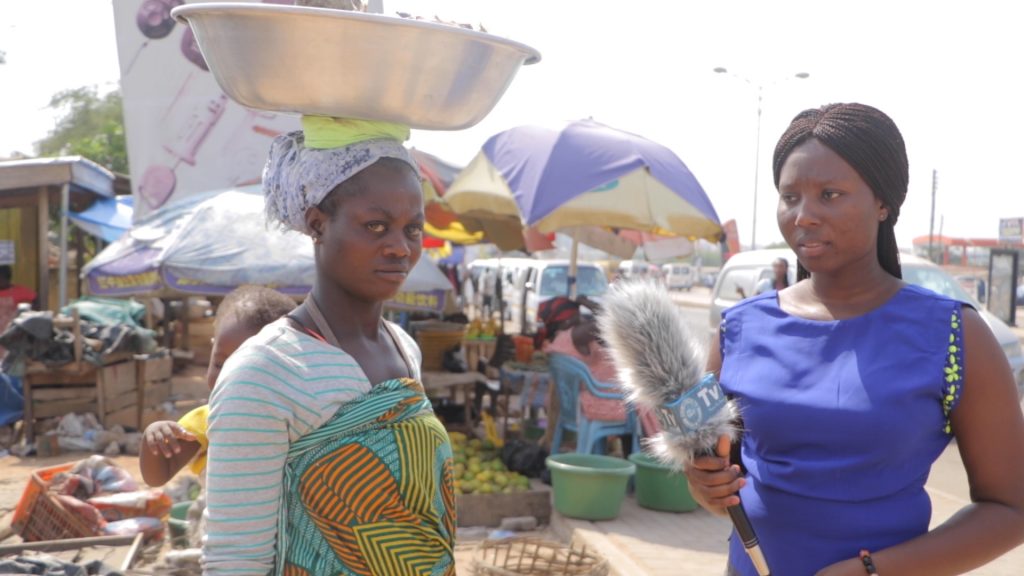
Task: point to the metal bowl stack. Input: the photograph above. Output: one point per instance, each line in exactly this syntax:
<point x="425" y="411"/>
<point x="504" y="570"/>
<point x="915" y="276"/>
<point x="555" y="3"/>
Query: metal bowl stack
<point x="320" y="61"/>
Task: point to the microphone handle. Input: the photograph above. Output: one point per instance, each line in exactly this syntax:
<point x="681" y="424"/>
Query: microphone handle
<point x="745" y="530"/>
<point x="746" y="533"/>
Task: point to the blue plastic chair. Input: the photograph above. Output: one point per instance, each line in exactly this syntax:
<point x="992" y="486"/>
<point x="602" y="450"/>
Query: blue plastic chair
<point x="569" y="374"/>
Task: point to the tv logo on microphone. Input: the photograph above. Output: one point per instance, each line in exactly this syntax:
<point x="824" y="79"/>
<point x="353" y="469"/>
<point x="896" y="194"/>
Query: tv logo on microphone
<point x="694" y="408"/>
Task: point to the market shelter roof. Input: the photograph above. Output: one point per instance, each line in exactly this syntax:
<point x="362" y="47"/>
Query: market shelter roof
<point x="21" y="180"/>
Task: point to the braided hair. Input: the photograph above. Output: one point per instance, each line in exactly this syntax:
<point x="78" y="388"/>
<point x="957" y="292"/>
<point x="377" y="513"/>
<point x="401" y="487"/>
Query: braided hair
<point x="869" y="141"/>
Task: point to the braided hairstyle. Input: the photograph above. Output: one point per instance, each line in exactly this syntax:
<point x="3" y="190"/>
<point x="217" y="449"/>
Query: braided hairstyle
<point x="869" y="141"/>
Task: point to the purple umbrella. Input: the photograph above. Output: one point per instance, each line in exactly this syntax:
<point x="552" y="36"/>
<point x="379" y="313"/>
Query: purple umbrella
<point x="586" y="174"/>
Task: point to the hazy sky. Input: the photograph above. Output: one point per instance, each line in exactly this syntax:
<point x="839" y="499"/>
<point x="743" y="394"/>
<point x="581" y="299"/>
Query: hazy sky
<point x="949" y="73"/>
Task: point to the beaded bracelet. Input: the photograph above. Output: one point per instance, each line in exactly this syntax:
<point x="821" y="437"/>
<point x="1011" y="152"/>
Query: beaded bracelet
<point x="869" y="564"/>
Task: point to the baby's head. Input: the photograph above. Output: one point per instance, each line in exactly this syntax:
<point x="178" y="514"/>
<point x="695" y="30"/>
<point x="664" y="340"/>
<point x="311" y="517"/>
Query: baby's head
<point x="242" y="314"/>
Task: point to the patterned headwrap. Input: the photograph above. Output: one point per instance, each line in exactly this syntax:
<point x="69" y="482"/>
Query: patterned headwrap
<point x="298" y="176"/>
<point x="552" y="313"/>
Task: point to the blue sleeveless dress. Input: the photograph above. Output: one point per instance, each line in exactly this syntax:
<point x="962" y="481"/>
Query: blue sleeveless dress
<point x="842" y="422"/>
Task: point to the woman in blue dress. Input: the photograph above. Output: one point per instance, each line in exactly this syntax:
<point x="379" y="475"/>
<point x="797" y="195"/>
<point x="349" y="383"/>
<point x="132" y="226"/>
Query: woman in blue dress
<point x="852" y="382"/>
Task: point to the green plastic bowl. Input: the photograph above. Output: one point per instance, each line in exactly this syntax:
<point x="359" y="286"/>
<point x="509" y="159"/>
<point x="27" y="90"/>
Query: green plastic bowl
<point x="659" y="488"/>
<point x="178" y="522"/>
<point x="589" y="486"/>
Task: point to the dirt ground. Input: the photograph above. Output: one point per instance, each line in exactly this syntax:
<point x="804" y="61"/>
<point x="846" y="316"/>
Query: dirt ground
<point x="190" y="384"/>
<point x="14" y="474"/>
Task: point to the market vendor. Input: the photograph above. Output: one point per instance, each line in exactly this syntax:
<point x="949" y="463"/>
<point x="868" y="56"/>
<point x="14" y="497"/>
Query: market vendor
<point x="15" y="293"/>
<point x="325" y="456"/>
<point x="567" y="331"/>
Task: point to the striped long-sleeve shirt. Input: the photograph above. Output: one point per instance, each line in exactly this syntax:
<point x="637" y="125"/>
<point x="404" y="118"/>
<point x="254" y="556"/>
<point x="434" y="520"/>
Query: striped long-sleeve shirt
<point x="280" y="385"/>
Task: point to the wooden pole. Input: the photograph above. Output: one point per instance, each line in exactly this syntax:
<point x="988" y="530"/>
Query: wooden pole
<point x="67" y="544"/>
<point x="80" y="261"/>
<point x="62" y="273"/>
<point x="931" y="226"/>
<point x="43" y="223"/>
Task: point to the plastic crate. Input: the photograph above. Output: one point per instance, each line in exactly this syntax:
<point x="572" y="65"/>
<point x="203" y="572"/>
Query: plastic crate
<point x="40" y="516"/>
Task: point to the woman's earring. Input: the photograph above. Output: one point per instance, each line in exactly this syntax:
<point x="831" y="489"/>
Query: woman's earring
<point x="883" y="215"/>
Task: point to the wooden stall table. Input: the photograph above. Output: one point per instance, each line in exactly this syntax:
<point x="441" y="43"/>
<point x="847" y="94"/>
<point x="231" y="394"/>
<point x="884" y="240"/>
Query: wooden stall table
<point x="437" y="384"/>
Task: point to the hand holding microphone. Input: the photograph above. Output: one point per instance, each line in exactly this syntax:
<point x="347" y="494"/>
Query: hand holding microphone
<point x="713" y="481"/>
<point x="661" y="367"/>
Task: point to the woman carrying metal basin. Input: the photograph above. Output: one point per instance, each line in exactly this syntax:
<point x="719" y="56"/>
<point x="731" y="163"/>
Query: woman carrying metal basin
<point x="325" y="456"/>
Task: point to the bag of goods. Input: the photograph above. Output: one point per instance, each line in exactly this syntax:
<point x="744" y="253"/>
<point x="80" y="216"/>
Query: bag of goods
<point x="74" y="485"/>
<point x="93" y="476"/>
<point x="114" y="507"/>
<point x="151" y="528"/>
<point x="85" y="512"/>
<point x="113" y="478"/>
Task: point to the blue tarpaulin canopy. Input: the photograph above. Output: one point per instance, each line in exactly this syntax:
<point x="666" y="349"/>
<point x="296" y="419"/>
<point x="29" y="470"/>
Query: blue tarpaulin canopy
<point x="107" y="218"/>
<point x="211" y="243"/>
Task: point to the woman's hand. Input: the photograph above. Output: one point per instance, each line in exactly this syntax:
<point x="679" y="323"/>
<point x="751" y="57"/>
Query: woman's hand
<point x="713" y="483"/>
<point x="161" y="438"/>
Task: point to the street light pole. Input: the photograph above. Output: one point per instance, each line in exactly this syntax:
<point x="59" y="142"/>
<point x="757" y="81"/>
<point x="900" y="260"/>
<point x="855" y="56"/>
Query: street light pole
<point x="757" y="144"/>
<point x="757" y="165"/>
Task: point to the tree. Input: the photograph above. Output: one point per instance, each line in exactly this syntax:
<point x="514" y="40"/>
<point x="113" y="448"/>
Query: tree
<point x="91" y="126"/>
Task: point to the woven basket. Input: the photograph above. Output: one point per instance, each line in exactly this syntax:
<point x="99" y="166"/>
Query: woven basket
<point x="434" y="343"/>
<point x="535" y="557"/>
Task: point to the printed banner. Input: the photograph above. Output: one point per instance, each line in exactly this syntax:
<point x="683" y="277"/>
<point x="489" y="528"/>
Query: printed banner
<point x="184" y="135"/>
<point x="432" y="301"/>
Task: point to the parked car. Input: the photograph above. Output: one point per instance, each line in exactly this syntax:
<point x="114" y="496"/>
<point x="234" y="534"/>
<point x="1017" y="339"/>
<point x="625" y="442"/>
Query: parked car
<point x="679" y="276"/>
<point x="743" y="270"/>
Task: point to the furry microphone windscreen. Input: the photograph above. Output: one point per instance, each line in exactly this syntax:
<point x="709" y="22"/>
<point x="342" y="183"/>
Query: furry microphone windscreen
<point x="659" y="361"/>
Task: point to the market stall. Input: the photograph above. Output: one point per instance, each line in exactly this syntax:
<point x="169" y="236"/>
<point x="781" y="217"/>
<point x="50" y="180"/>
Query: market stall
<point x="32" y="192"/>
<point x="86" y="360"/>
<point x="209" y="244"/>
<point x="212" y="243"/>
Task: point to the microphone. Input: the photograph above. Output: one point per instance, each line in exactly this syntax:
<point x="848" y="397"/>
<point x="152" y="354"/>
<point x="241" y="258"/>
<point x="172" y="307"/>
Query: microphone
<point x="661" y="368"/>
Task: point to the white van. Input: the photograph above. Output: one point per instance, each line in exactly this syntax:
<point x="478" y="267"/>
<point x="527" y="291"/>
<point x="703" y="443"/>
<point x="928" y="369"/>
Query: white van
<point x="679" y="276"/>
<point x="745" y="269"/>
<point x="631" y="269"/>
<point x="548" y="279"/>
<point x="527" y="282"/>
<point x="740" y="275"/>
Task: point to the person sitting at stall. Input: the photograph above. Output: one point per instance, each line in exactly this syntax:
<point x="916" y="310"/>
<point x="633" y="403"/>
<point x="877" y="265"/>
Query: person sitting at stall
<point x="15" y="293"/>
<point x="566" y="330"/>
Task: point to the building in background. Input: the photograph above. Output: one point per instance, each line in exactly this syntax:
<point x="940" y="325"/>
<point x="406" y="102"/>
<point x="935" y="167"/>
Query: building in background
<point x="965" y="252"/>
